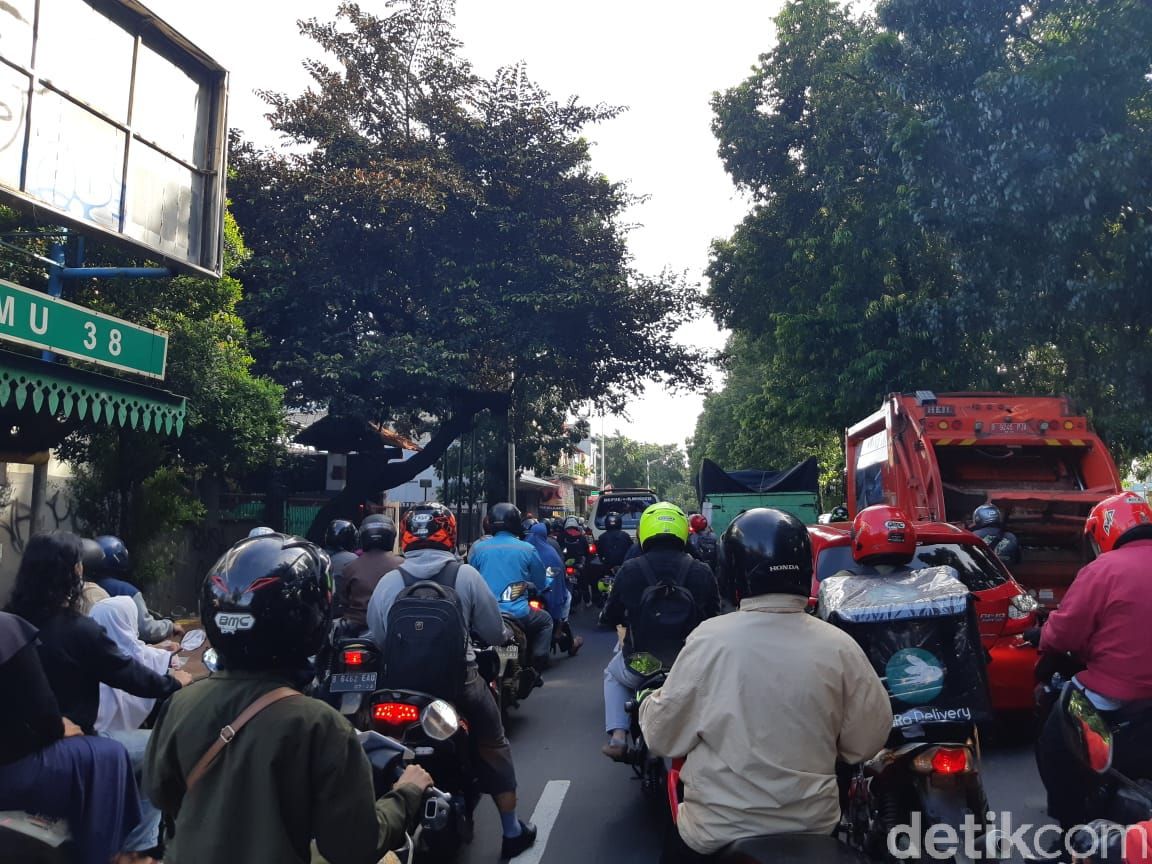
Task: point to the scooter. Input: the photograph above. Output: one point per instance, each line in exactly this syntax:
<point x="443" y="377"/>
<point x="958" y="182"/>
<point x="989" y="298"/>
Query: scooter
<point x="1122" y="800"/>
<point x="652" y="771"/>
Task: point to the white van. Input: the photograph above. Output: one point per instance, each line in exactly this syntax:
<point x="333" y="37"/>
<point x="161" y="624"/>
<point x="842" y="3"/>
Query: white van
<point x="629" y="503"/>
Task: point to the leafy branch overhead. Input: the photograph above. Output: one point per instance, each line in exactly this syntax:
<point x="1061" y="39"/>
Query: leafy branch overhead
<point x="444" y="232"/>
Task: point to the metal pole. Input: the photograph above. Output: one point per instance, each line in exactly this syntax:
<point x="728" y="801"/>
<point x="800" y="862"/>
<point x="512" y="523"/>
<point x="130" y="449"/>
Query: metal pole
<point x="472" y="484"/>
<point x="459" y="478"/>
<point x="511" y="444"/>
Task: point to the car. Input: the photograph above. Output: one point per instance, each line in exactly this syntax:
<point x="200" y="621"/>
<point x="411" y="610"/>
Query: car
<point x="1005" y="609"/>
<point x="629" y="503"/>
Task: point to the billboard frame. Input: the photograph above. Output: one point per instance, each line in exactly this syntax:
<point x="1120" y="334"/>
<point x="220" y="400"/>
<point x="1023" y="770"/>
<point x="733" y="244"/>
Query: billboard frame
<point x="146" y="30"/>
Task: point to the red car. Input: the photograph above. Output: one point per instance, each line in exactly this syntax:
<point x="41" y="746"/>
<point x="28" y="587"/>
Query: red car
<point x="1005" y="609"/>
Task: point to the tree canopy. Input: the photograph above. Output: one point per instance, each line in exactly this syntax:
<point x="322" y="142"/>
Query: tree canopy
<point x="448" y="237"/>
<point x="946" y="195"/>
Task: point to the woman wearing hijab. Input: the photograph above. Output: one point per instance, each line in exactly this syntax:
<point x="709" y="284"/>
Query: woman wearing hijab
<point x="559" y="599"/>
<point x="78" y="657"/>
<point x="119" y="710"/>
<point x="48" y="765"/>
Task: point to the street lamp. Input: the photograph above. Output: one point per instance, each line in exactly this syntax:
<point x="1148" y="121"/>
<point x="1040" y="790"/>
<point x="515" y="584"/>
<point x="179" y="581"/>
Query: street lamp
<point x="648" y="471"/>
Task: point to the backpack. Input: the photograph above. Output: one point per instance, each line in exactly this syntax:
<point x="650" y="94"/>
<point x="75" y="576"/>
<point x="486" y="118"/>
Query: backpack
<point x="667" y="612"/>
<point x="426" y="646"/>
<point x="706" y="548"/>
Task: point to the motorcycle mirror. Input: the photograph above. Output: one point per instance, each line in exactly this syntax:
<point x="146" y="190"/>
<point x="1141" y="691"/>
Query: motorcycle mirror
<point x="1085" y="731"/>
<point x="210" y="659"/>
<point x="440" y="720"/>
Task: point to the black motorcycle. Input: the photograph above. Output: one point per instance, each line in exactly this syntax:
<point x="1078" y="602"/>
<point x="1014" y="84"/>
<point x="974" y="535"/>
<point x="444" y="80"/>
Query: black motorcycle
<point x="652" y="771"/>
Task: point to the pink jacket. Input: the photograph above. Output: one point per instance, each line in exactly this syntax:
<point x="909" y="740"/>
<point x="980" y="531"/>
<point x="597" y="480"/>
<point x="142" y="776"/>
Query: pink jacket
<point x="1106" y="621"/>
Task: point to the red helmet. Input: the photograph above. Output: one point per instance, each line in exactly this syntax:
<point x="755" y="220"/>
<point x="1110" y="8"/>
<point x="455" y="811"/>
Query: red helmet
<point x="1113" y="519"/>
<point x="698" y="523"/>
<point x="428" y="526"/>
<point x="883" y="535"/>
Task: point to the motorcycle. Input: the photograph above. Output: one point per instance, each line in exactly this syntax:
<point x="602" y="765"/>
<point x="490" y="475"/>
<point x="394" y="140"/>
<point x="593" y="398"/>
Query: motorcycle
<point x="790" y="849"/>
<point x="432" y="731"/>
<point x="604" y="585"/>
<point x="1119" y="799"/>
<point x="35" y="839"/>
<point x="652" y="771"/>
<point x="931" y="769"/>
<point x="563" y="639"/>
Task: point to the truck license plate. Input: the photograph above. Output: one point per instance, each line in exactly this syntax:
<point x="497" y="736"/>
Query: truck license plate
<point x="353" y="682"/>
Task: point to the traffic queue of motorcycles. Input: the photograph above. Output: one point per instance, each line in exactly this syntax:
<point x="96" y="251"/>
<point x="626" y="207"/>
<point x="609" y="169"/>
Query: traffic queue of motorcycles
<point x="928" y="773"/>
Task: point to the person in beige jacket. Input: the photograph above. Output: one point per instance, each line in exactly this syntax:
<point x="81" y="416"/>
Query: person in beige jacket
<point x="763" y="701"/>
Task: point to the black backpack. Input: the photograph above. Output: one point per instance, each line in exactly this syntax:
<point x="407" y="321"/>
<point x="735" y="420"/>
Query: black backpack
<point x="667" y="612"/>
<point x="706" y="548"/>
<point x="426" y="646"/>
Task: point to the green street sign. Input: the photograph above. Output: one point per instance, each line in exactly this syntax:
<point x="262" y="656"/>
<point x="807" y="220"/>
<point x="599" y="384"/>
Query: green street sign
<point x="41" y="321"/>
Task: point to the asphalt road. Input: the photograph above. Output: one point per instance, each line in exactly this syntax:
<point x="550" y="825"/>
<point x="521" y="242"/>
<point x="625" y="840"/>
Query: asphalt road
<point x="595" y="807"/>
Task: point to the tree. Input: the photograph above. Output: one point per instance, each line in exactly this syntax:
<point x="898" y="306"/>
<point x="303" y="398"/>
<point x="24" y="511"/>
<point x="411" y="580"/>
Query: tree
<point x="448" y="237"/>
<point x="834" y="284"/>
<point x="660" y="467"/>
<point x="1023" y="131"/>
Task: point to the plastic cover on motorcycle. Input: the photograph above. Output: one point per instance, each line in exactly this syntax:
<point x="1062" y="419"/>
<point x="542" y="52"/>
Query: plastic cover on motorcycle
<point x="921" y="634"/>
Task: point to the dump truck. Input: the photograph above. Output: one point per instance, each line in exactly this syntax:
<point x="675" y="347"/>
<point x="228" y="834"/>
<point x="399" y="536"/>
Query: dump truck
<point x="939" y="456"/>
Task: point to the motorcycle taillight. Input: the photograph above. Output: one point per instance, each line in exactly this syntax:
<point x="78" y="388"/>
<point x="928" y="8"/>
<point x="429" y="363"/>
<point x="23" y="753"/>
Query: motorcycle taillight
<point x="591" y="548"/>
<point x="395" y="713"/>
<point x="945" y="761"/>
<point x="354" y="657"/>
<point x="571" y="571"/>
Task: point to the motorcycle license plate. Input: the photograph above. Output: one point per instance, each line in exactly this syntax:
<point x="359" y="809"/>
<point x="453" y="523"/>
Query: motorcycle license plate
<point x="507" y="652"/>
<point x="353" y="682"/>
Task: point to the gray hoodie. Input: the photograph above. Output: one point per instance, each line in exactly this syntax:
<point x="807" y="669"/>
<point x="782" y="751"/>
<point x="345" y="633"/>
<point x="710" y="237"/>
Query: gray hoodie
<point x="477" y="602"/>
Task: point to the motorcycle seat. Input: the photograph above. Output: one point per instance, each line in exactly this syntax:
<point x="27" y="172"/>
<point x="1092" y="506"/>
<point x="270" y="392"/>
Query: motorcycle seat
<point x="791" y="849"/>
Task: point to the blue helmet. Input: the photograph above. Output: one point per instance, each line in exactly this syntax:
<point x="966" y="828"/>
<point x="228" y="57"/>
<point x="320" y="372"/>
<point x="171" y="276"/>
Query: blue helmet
<point x="116" y="558"/>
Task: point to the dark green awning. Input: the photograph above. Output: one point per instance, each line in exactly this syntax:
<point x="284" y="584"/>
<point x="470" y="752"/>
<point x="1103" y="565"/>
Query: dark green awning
<point x="28" y="384"/>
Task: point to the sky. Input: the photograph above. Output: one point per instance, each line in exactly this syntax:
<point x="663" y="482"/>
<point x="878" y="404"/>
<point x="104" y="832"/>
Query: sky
<point x="662" y="60"/>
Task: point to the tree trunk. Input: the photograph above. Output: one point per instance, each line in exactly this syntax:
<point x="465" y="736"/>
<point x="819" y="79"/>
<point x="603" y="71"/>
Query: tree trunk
<point x="387" y="475"/>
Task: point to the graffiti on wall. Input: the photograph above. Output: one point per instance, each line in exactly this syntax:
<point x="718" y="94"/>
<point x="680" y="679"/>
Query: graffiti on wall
<point x="16" y="521"/>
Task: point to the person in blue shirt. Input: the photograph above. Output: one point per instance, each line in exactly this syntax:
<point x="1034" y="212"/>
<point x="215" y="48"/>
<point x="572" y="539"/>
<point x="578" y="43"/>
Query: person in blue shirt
<point x="504" y="560"/>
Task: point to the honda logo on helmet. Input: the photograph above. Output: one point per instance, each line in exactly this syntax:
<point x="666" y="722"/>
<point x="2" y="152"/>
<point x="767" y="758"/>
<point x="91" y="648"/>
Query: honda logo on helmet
<point x="234" y="622"/>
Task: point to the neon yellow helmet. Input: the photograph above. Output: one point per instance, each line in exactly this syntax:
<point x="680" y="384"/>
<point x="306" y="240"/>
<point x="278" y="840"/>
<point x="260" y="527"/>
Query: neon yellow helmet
<point x="660" y="520"/>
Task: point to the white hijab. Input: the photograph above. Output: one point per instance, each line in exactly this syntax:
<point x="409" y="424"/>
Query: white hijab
<point x="120" y="711"/>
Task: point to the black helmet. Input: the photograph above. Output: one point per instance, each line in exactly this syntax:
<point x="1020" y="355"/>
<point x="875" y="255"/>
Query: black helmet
<point x="526" y="525"/>
<point x="504" y="517"/>
<point x="613" y="521"/>
<point x="267" y="603"/>
<point x="377" y="532"/>
<point x="92" y="557"/>
<point x="987" y="516"/>
<point x="116" y="560"/>
<point x="767" y="551"/>
<point x="341" y="535"/>
<point x="839" y="514"/>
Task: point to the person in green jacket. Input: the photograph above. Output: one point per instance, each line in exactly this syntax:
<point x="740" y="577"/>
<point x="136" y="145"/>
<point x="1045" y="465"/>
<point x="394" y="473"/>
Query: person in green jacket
<point x="293" y="779"/>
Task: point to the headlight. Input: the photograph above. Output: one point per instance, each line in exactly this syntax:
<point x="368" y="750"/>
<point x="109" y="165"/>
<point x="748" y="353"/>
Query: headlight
<point x="1021" y="606"/>
<point x="440" y="720"/>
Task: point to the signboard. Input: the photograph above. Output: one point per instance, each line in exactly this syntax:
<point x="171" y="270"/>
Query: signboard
<point x="114" y="123"/>
<point x="40" y="321"/>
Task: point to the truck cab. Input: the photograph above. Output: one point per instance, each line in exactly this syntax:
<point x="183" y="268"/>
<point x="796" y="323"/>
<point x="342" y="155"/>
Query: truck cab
<point x="940" y="456"/>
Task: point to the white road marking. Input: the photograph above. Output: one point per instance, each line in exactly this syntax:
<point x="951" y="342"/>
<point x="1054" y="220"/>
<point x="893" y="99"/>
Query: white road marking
<point x="544" y="817"/>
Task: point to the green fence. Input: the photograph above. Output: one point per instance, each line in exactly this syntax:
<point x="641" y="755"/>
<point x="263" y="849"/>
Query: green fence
<point x="297" y="516"/>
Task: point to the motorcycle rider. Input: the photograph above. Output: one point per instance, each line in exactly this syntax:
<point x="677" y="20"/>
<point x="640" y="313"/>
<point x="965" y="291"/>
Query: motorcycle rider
<point x="614" y="542"/>
<point x="883" y="542"/>
<point x="428" y="538"/>
<point x="1103" y="622"/>
<point x="376" y="537"/>
<point x="663" y="535"/>
<point x="110" y="570"/>
<point x="504" y="560"/>
<point x="297" y="773"/>
<point x="702" y="541"/>
<point x="340" y="544"/>
<point x="574" y="542"/>
<point x="988" y="525"/>
<point x="761" y="760"/>
<point x="559" y="599"/>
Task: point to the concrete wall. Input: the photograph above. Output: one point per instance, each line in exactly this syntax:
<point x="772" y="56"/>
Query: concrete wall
<point x="16" y="514"/>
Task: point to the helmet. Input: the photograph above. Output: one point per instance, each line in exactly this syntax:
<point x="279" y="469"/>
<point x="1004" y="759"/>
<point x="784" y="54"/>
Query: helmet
<point x="261" y="531"/>
<point x="116" y="558"/>
<point x="267" y="602"/>
<point x="377" y="532"/>
<point x="91" y="556"/>
<point x="573" y="524"/>
<point x="341" y="534"/>
<point x="698" y="523"/>
<point x="839" y="513"/>
<point x="613" y="521"/>
<point x="428" y="526"/>
<point x="767" y="551"/>
<point x="883" y="535"/>
<point x="504" y="517"/>
<point x="527" y="524"/>
<point x="1116" y="520"/>
<point x="987" y="516"/>
<point x="662" y="521"/>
